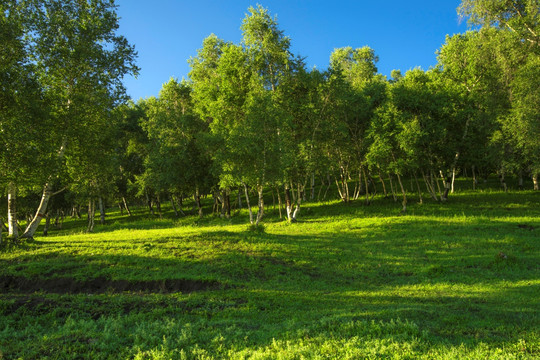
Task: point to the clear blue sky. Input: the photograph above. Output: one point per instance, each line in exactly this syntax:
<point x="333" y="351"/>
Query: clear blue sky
<point x="166" y="33"/>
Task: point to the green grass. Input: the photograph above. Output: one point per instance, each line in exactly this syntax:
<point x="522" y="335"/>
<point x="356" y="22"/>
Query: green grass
<point x="446" y="280"/>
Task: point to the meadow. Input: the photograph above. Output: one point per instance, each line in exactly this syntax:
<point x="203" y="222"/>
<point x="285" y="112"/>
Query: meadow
<point x="452" y="280"/>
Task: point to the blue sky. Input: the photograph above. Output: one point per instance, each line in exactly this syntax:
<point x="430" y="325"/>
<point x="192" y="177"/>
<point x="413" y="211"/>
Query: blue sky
<point x="166" y="33"/>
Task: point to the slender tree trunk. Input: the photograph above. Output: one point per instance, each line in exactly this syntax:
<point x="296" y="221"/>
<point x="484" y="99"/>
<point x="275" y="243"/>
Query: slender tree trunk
<point x="447" y="185"/>
<point x="40" y="213"/>
<point x="239" y="198"/>
<point x="197" y="197"/>
<point x="404" y="202"/>
<point x="173" y="205"/>
<point x="101" y="211"/>
<point x="246" y="192"/>
<point x="434" y="178"/>
<point x="288" y="204"/>
<point x="181" y="204"/>
<point x="535" y="181"/>
<point x="392" y="187"/>
<point x="429" y="186"/>
<point x="453" y="180"/>
<point x="158" y="206"/>
<point x="312" y="194"/>
<point x="328" y="187"/>
<point x="260" y="212"/>
<point x="474" y="180"/>
<point x="320" y="190"/>
<point x="121" y="208"/>
<point x="420" y="200"/>
<point x="227" y="199"/>
<point x="520" y="180"/>
<point x="149" y="203"/>
<point x="503" y="181"/>
<point x="91" y="214"/>
<point x="12" y="211"/>
<point x="383" y="185"/>
<point x="126" y="206"/>
<point x="366" y="185"/>
<point x="32" y="226"/>
<point x="279" y="202"/>
<point x="47" y="224"/>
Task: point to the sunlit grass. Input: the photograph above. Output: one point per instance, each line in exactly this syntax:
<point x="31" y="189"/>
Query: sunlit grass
<point x="452" y="280"/>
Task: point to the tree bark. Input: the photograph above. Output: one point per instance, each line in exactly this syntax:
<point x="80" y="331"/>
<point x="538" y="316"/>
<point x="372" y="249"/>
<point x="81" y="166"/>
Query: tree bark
<point x="40" y="213"/>
<point x="173" y="205"/>
<point x="383" y="185"/>
<point x="260" y="212"/>
<point x="101" y="211"/>
<point x="535" y="181"/>
<point x="288" y="204"/>
<point x="47" y="224"/>
<point x="246" y="192"/>
<point x="420" y="200"/>
<point x="312" y="194"/>
<point x="149" y="203"/>
<point x="13" y="230"/>
<point x="392" y="187"/>
<point x="197" y="197"/>
<point x="91" y="214"/>
<point x="126" y="205"/>
<point x="404" y="202"/>
<point x="279" y="202"/>
<point x="447" y="185"/>
<point x="474" y="180"/>
<point x="503" y="181"/>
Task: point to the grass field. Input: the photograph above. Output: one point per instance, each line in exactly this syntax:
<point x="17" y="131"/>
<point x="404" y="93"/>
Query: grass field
<point x="445" y="281"/>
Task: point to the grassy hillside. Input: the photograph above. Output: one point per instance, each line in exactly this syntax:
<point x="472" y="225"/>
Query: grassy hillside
<point x="453" y="280"/>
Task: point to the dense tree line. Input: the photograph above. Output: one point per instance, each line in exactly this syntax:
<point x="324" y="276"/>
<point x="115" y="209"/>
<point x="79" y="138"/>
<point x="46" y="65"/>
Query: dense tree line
<point x="252" y="118"/>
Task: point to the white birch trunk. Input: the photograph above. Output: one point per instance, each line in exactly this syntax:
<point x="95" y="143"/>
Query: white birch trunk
<point x="32" y="227"/>
<point x="248" y="204"/>
<point x="535" y="181"/>
<point x="13" y="230"/>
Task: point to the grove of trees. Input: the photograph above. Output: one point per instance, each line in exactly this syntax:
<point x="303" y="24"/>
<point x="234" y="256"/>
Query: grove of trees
<point x="252" y="118"/>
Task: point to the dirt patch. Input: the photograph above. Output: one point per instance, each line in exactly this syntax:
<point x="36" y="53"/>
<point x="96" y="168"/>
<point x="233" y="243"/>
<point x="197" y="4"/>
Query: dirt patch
<point x="526" y="227"/>
<point x="102" y="285"/>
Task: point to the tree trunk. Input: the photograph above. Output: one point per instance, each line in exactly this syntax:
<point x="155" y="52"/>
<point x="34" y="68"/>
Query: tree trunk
<point x="404" y="202"/>
<point x="392" y="187"/>
<point x="227" y="199"/>
<point x="366" y="185"/>
<point x="297" y="207"/>
<point x="42" y="208"/>
<point x="279" y="203"/>
<point x="246" y="192"/>
<point x="503" y="181"/>
<point x="31" y="228"/>
<point x="420" y="200"/>
<point x="260" y="212"/>
<point x="149" y="203"/>
<point x="126" y="205"/>
<point x="121" y="208"/>
<point x="158" y="206"/>
<point x="288" y="204"/>
<point x="91" y="213"/>
<point x="312" y="194"/>
<point x="520" y="180"/>
<point x="13" y="230"/>
<point x="383" y="185"/>
<point x="173" y="205"/>
<point x="535" y="181"/>
<point x="47" y="224"/>
<point x="197" y="198"/>
<point x="239" y="198"/>
<point x="453" y="180"/>
<point x="474" y="180"/>
<point x="447" y="185"/>
<point x="101" y="211"/>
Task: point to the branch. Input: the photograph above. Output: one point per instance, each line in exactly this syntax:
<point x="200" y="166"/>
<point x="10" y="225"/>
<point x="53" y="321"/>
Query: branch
<point x="59" y="191"/>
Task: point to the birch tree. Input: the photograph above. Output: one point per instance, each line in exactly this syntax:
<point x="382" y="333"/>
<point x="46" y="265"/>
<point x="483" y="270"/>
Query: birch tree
<point x="81" y="61"/>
